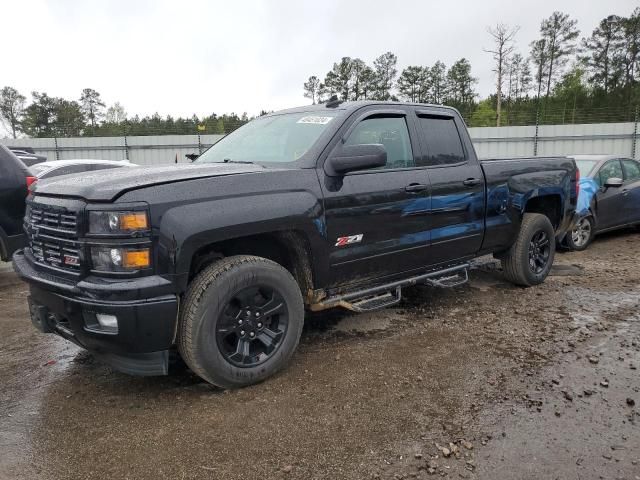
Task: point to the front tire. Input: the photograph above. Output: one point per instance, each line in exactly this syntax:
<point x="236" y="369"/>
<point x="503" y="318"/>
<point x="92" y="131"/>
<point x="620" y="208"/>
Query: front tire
<point x="241" y="321"/>
<point x="581" y="236"/>
<point x="530" y="258"/>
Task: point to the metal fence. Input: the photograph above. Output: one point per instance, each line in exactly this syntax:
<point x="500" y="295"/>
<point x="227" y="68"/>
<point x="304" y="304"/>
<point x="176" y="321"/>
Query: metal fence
<point x="143" y="150"/>
<point x="610" y="138"/>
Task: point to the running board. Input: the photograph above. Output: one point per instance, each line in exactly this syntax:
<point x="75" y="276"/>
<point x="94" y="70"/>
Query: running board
<point x="449" y="281"/>
<point x="377" y="302"/>
<point x="389" y="294"/>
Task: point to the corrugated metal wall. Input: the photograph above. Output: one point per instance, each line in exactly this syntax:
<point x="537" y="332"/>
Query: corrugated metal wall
<point x="147" y="150"/>
<point x="607" y="138"/>
<point x="490" y="142"/>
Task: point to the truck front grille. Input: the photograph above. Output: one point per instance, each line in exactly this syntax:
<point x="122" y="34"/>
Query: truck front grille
<point x="53" y="237"/>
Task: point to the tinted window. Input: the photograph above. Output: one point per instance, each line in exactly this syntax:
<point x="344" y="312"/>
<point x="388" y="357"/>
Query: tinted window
<point x="631" y="170"/>
<point x="66" y="170"/>
<point x="443" y="141"/>
<point x="391" y="132"/>
<point x="611" y="169"/>
<point x="103" y="166"/>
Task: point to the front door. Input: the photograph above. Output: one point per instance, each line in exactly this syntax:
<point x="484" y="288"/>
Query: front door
<point x="376" y="219"/>
<point x="610" y="200"/>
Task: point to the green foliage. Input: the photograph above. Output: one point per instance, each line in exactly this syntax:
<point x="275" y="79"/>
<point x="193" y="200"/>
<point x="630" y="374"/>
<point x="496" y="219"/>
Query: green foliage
<point x="484" y="115"/>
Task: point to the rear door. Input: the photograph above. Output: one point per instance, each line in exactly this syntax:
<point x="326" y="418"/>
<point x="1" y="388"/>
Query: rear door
<point x="456" y="219"/>
<point x="376" y="219"/>
<point x="631" y="190"/>
<point x="610" y="199"/>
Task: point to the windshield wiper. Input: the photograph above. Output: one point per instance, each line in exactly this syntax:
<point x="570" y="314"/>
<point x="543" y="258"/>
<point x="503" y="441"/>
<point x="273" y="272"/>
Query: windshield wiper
<point x="228" y="160"/>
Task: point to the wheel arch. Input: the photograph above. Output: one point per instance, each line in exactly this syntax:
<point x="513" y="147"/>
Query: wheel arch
<point x="549" y="205"/>
<point x="289" y="248"/>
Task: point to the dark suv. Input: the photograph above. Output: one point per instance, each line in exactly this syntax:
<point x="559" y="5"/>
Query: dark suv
<point x="14" y="180"/>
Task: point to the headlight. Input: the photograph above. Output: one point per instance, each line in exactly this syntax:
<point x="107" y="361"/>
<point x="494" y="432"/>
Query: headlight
<point x="117" y="259"/>
<point x="118" y="222"/>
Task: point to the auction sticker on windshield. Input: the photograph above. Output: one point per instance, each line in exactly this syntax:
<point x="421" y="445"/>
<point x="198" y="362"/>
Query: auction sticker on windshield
<point x="315" y="120"/>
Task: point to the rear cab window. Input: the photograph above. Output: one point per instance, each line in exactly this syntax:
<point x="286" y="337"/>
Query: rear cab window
<point x="442" y="141"/>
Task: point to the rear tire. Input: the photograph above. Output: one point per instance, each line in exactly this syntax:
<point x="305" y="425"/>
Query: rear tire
<point x="240" y="321"/>
<point x="581" y="236"/>
<point x="530" y="258"/>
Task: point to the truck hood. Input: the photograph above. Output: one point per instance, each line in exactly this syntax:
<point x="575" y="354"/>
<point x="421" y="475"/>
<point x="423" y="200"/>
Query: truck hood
<point x="107" y="185"/>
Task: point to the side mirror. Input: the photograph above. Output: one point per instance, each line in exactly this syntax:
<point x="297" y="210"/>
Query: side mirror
<point x="192" y="156"/>
<point x="613" y="182"/>
<point x="357" y="157"/>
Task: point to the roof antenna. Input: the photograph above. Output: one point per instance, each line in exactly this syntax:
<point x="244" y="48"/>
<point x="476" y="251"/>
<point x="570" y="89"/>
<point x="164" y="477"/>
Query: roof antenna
<point x="333" y="102"/>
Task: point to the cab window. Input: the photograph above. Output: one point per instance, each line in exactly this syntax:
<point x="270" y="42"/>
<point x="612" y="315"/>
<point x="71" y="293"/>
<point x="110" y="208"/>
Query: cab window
<point x="443" y="141"/>
<point x="611" y="169"/>
<point x="392" y="132"/>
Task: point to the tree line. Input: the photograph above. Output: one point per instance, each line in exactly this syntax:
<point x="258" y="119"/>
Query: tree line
<point x="561" y="78"/>
<point x="47" y="116"/>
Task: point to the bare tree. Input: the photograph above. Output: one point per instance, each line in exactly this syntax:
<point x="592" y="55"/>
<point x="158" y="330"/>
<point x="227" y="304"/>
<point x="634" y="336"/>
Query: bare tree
<point x="502" y="36"/>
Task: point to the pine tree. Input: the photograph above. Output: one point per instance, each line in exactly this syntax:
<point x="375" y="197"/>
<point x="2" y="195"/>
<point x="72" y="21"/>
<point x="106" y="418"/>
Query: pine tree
<point x="92" y="105"/>
<point x="604" y="53"/>
<point x="386" y="72"/>
<point x="311" y="88"/>
<point x="411" y="82"/>
<point x="11" y="109"/>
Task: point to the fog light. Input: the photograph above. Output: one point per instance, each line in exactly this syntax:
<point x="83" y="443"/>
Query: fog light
<point x="109" y="322"/>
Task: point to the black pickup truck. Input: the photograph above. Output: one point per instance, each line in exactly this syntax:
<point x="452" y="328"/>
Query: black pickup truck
<point x="314" y="207"/>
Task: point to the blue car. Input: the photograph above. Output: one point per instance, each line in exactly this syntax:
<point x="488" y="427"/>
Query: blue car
<point x="609" y="197"/>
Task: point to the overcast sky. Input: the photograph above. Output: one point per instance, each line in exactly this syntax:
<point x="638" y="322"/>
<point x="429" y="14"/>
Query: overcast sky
<point x="200" y="57"/>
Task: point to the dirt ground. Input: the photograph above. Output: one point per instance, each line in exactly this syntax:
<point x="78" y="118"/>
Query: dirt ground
<point x="485" y="381"/>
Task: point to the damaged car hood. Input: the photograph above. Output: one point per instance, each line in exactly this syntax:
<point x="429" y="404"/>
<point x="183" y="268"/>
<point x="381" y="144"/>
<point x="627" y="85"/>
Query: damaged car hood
<point x="107" y="185"/>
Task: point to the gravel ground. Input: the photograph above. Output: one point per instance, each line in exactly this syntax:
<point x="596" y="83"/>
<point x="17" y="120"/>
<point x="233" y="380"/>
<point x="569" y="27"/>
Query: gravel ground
<point x="485" y="381"/>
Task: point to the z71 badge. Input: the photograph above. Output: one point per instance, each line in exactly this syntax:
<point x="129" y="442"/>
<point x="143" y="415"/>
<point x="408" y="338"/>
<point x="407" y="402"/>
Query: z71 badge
<point x="343" y="241"/>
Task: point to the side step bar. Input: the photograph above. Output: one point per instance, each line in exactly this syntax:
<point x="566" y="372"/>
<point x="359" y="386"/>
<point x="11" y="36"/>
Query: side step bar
<point x="382" y="296"/>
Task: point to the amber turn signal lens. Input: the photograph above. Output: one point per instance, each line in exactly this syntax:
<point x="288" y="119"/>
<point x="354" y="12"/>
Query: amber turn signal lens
<point x="134" y="221"/>
<point x="136" y="258"/>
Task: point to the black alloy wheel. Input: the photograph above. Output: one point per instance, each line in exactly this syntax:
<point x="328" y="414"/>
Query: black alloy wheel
<point x="251" y="326"/>
<point x="539" y="252"/>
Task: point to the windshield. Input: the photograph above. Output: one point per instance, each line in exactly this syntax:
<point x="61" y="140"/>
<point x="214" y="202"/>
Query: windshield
<point x="275" y="139"/>
<point x="585" y="166"/>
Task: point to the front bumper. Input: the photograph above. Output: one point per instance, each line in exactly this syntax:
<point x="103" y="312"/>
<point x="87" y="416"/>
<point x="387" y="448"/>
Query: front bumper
<point x="146" y="316"/>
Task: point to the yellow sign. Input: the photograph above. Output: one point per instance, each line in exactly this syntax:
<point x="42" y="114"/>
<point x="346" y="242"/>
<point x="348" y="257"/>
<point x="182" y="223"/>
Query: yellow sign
<point x="202" y="128"/>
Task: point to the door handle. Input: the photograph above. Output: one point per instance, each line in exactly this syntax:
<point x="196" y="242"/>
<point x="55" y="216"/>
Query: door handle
<point x="415" y="187"/>
<point x="471" y="182"/>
